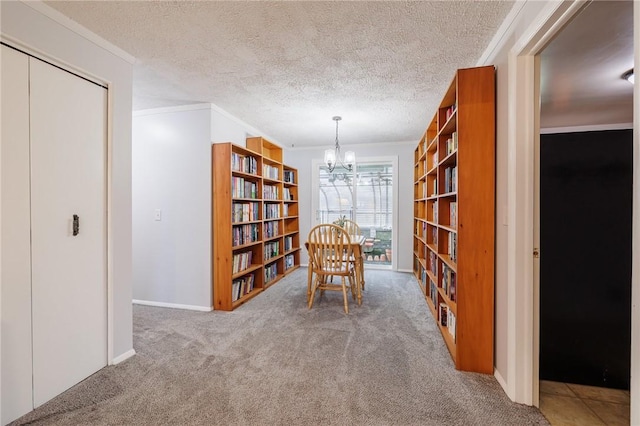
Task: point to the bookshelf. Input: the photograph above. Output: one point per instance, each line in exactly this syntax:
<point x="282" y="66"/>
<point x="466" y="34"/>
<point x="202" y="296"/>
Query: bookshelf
<point x="454" y="217"/>
<point x="255" y="229"/>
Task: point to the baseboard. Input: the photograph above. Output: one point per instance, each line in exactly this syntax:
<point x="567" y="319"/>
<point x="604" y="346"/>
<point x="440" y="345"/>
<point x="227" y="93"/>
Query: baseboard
<point x="500" y="380"/>
<point x="410" y="271"/>
<point x="172" y="305"/>
<point x="128" y="354"/>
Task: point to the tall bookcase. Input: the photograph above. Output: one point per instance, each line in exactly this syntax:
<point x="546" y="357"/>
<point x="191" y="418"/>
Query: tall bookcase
<point x="254" y="220"/>
<point x="454" y="217"/>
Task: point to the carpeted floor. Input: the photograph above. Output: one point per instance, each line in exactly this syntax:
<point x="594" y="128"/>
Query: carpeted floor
<point x="274" y="362"/>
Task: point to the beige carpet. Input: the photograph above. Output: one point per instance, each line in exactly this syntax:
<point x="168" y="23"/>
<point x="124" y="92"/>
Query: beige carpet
<point x="274" y="362"/>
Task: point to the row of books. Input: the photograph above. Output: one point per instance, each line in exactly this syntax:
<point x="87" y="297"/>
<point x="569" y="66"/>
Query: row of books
<point x="453" y="246"/>
<point x="451" y="144"/>
<point x="270" y="172"/>
<point x="244" y="212"/>
<point x="271" y="249"/>
<point x="241" y="286"/>
<point x="246" y="164"/>
<point x="288" y="243"/>
<point x="289" y="261"/>
<point x="449" y="282"/>
<point x="244" y="234"/>
<point x="449" y="112"/>
<point x="271" y="211"/>
<point x="285" y="210"/>
<point x="288" y="195"/>
<point x="270" y="192"/>
<point x="241" y="261"/>
<point x="270" y="272"/>
<point x="271" y="229"/>
<point x="422" y="189"/>
<point x="434" y="211"/>
<point x="433" y="263"/>
<point x="453" y="214"/>
<point x="421" y="229"/>
<point x="451" y="179"/>
<point x="434" y="159"/>
<point x="241" y="188"/>
<point x="289" y="176"/>
<point x="447" y="319"/>
<point x="433" y="293"/>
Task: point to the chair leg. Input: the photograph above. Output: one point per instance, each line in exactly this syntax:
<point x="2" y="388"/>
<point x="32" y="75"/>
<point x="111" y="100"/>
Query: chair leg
<point x="344" y="295"/>
<point x="313" y="290"/>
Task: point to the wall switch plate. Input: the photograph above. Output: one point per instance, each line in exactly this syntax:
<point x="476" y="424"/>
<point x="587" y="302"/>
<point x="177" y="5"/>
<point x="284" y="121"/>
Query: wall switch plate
<point x="158" y="214"/>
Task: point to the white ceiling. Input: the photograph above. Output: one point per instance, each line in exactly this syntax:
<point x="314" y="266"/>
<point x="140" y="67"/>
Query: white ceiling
<point x="287" y="67"/>
<point x="582" y="68"/>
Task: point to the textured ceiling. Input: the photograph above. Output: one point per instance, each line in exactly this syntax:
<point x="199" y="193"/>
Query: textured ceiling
<point x="582" y="67"/>
<point x="287" y="67"/>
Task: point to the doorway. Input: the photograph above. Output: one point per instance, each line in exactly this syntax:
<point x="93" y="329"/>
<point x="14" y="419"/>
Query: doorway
<point x="585" y="200"/>
<point x="522" y="134"/>
<point x="366" y="195"/>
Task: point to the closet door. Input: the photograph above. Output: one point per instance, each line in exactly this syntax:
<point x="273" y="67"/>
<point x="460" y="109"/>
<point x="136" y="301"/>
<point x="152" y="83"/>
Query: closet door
<point x="15" y="265"/>
<point x="68" y="177"/>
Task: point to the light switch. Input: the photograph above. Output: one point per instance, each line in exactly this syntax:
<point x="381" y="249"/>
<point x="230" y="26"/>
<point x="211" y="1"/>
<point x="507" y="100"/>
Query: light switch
<point x="158" y="214"/>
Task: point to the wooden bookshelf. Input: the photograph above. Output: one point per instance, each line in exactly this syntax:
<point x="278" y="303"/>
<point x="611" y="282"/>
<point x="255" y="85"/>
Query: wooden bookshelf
<point x="249" y="225"/>
<point x="454" y="217"/>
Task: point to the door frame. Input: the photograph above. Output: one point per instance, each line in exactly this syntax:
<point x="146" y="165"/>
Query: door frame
<point x="37" y="54"/>
<point x="523" y="138"/>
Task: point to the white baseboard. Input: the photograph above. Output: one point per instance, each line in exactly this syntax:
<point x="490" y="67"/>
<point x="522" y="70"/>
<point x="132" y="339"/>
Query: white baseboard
<point x="406" y="270"/>
<point x="173" y="305"/>
<point x="128" y="354"/>
<point x="500" y="380"/>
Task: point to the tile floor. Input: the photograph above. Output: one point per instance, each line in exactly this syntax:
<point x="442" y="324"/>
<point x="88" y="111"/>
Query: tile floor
<point x="567" y="404"/>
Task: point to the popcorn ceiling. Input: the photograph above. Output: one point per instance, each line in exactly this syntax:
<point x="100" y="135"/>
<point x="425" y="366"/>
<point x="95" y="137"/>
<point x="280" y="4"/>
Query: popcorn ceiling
<point x="287" y="67"/>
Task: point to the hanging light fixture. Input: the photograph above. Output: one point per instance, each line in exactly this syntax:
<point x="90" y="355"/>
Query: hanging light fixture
<point x="332" y="156"/>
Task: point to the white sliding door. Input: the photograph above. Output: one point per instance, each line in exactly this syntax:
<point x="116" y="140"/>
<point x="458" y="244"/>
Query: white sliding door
<point x="68" y="177"/>
<point x="14" y="237"/>
<point x="54" y="283"/>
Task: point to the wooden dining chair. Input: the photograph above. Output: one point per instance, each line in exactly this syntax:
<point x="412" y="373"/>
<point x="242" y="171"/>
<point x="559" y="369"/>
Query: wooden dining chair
<point x="329" y="249"/>
<point x="351" y="227"/>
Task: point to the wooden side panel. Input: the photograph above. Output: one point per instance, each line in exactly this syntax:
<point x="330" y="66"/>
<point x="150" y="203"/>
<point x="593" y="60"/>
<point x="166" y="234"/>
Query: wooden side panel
<point x="221" y="225"/>
<point x="476" y="218"/>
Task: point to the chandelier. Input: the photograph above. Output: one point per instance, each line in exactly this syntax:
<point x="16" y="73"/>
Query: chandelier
<point x="332" y="156"/>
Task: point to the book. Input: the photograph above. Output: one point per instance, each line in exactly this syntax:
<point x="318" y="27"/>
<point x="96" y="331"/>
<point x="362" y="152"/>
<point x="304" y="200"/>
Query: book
<point x="452" y="287"/>
<point x="453" y="214"/>
<point x="443" y="313"/>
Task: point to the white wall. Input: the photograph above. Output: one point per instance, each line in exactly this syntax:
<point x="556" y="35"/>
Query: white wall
<point x="224" y="128"/>
<point x="524" y="14"/>
<point x="172" y="172"/>
<point x="302" y="158"/>
<point x="31" y="25"/>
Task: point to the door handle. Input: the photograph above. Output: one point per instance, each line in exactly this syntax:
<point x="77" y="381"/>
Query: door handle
<point x="76" y="225"/>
